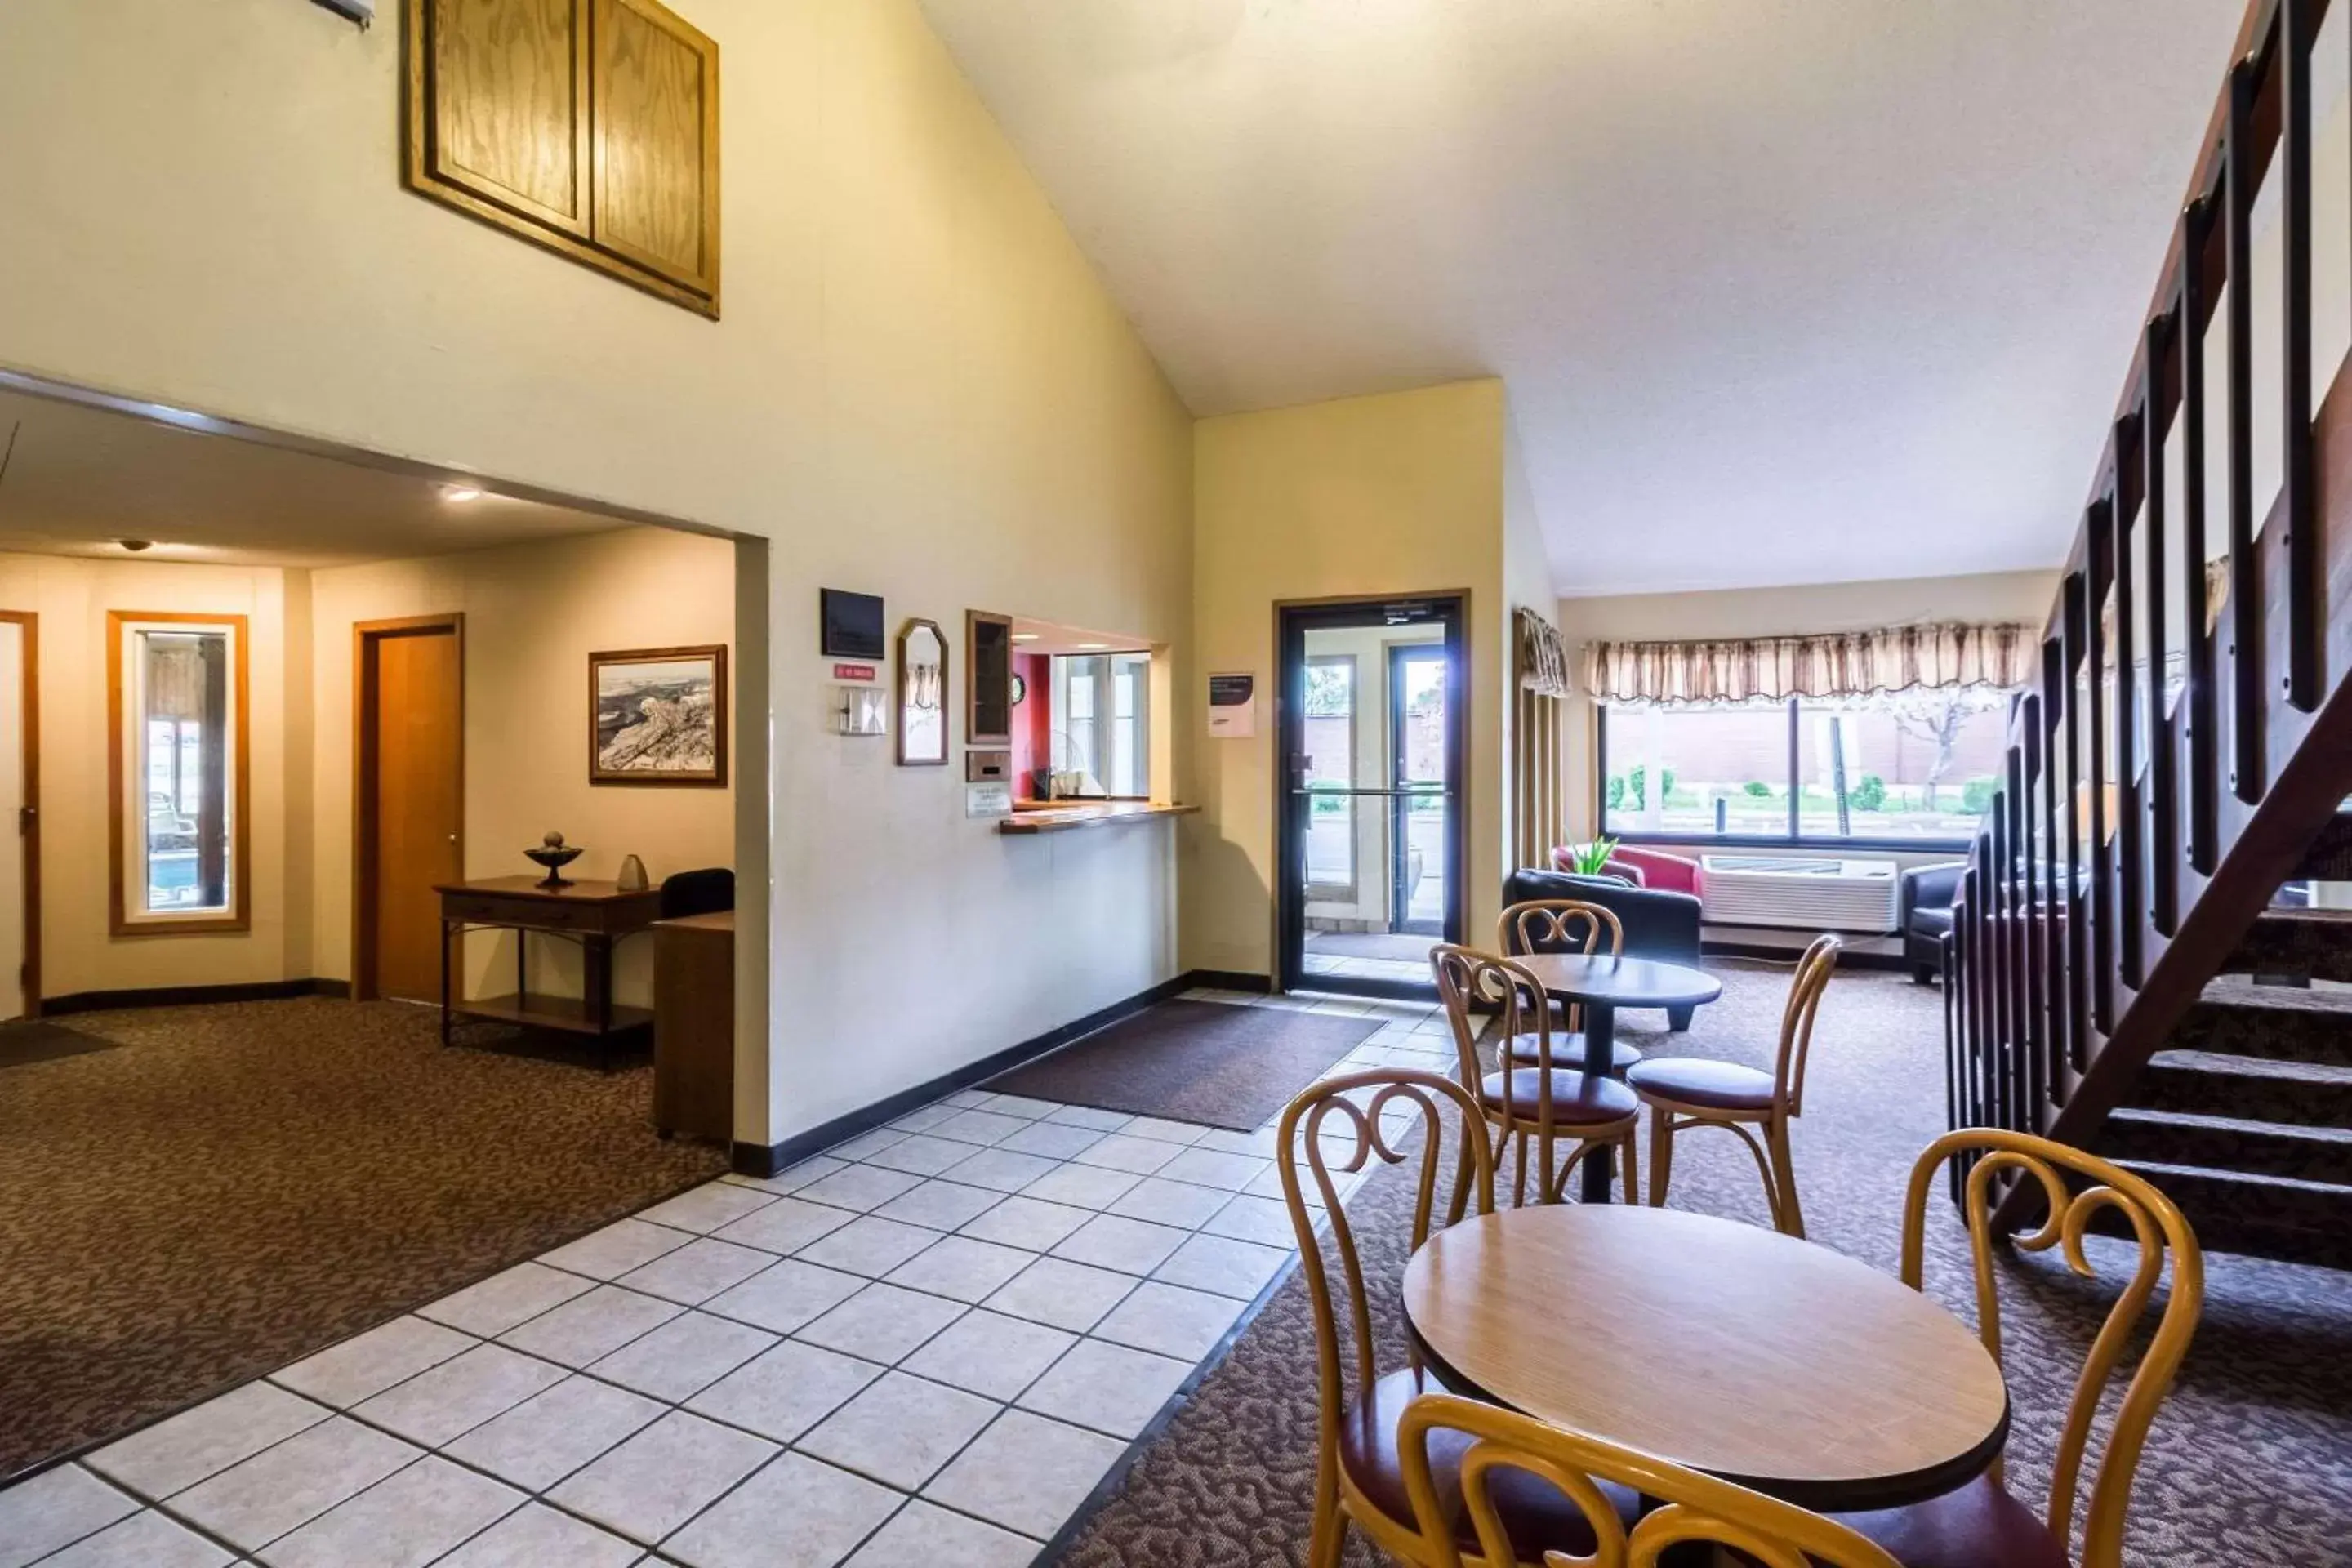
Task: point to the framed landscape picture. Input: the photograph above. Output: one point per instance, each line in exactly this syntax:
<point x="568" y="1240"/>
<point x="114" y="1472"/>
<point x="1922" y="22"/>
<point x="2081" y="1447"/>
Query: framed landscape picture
<point x="657" y="716"/>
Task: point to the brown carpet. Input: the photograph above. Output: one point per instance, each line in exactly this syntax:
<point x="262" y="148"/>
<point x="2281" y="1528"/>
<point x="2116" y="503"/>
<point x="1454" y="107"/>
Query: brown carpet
<point x="39" y="1040"/>
<point x="1211" y="1062"/>
<point x="2249" y="1466"/>
<point x="243" y="1184"/>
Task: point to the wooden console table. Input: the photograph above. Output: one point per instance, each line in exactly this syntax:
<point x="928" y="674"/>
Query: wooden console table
<point x="595" y="914"/>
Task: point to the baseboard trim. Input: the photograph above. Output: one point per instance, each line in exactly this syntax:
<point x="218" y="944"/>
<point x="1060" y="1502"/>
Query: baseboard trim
<point x="192" y="996"/>
<point x="768" y="1159"/>
<point x="1233" y="979"/>
<point x="1848" y="959"/>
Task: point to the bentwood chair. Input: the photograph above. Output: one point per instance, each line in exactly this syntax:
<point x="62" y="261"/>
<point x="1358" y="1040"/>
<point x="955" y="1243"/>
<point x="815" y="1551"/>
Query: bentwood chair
<point x="1359" y="1463"/>
<point x="1981" y="1525"/>
<point x="1694" y="1092"/>
<point x="1562" y="925"/>
<point x="1508" y="1453"/>
<point x="1546" y="1103"/>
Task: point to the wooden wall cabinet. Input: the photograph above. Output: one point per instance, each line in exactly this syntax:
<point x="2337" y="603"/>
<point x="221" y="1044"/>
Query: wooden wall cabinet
<point x="590" y="126"/>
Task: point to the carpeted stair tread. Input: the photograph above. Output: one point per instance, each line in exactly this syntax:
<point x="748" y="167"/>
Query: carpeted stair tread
<point x="2268" y="1216"/>
<point x="2235" y="1016"/>
<point x="2313" y="942"/>
<point x="2137" y="1136"/>
<point x="2250" y="1088"/>
<point x="2329" y="857"/>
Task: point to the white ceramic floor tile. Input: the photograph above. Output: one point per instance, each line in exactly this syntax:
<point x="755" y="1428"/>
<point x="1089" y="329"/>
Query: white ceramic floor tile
<point x="1084" y="1186"/>
<point x="589" y="1327"/>
<point x="609" y="1253"/>
<point x="865" y="1145"/>
<point x="859" y="1188"/>
<point x="1000" y="1170"/>
<point x="1265" y="1221"/>
<point x="177" y="1453"/>
<point x="145" y="1539"/>
<point x="456" y="1396"/>
<point x="1226" y="1142"/>
<point x="1089" y="1117"/>
<point x="497" y="1304"/>
<point x="1030" y="1223"/>
<point x="940" y="1204"/>
<point x="792" y="1178"/>
<point x="1129" y="1246"/>
<point x="550" y="1435"/>
<point x="786" y="1391"/>
<point x="900" y="1429"/>
<point x="707" y="1209"/>
<point x="965" y="1098"/>
<point x="870" y="1245"/>
<point x="1221" y="1264"/>
<point x="1164" y="1202"/>
<point x="1167" y="1131"/>
<point x="1053" y="1139"/>
<point x="925" y="1118"/>
<point x="281" y="1488"/>
<point x="1026" y="1472"/>
<point x="1210" y="1168"/>
<point x="882" y="1322"/>
<point x="367" y="1363"/>
<point x="961" y="1268"/>
<point x="684" y="1357"/>
<point x="405" y="1521"/>
<point x="697" y="1271"/>
<point x="796" y="1513"/>
<point x="989" y="1353"/>
<point x="1108" y="1388"/>
<point x="537" y="1536"/>
<point x="664" y="1475"/>
<point x="786" y="1296"/>
<point x="919" y="1155"/>
<point x="924" y="1536"/>
<point x="787" y="1225"/>
<point x="1017" y="1105"/>
<point x="978" y="1127"/>
<point x="1171" y="1320"/>
<point x="54" y="1508"/>
<point x="1124" y="1152"/>
<point x="1065" y="1294"/>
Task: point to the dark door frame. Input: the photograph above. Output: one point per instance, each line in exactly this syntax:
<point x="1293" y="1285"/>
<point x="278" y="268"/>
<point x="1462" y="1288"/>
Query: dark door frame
<point x="1401" y="805"/>
<point x="367" y="637"/>
<point x="1448" y="608"/>
<point x="29" y="824"/>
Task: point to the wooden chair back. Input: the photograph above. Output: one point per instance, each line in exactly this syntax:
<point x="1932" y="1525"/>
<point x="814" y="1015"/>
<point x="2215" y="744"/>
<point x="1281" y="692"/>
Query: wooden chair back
<point x="1469" y="983"/>
<point x="2156" y="1225"/>
<point x="1812" y="978"/>
<point x="1693" y="1507"/>
<point x="1342" y="1116"/>
<point x="1559" y="925"/>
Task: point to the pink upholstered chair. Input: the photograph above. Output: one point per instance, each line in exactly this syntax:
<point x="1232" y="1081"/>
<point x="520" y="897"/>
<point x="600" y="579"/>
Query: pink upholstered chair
<point x="1646" y="868"/>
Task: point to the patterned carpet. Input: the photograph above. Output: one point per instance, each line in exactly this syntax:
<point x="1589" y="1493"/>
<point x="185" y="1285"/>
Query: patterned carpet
<point x="243" y="1184"/>
<point x="2250" y="1464"/>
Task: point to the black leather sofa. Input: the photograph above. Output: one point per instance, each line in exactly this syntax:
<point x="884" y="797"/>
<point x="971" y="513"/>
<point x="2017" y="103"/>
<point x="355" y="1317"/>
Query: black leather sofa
<point x="1659" y="923"/>
<point x="1927" y="895"/>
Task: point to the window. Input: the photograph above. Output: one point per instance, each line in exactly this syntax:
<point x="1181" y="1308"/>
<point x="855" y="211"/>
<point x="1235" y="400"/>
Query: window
<point x="1917" y="768"/>
<point x="1102" y="722"/>
<point x="176" y="690"/>
<point x="1331" y="762"/>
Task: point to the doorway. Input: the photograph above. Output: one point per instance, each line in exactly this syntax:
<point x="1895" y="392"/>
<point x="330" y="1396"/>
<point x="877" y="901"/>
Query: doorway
<point x="409" y="800"/>
<point x="20" y="822"/>
<point x="1371" y="844"/>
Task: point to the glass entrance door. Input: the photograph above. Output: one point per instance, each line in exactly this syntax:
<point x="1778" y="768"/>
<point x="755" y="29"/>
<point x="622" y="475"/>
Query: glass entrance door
<point x="1371" y="729"/>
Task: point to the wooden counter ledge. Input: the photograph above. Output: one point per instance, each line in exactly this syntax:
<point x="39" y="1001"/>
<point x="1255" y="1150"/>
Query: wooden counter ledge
<point x="1062" y="818"/>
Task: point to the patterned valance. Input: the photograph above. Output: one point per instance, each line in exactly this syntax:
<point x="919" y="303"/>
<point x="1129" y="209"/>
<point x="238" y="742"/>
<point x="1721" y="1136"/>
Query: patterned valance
<point x="1543" y="659"/>
<point x="1832" y="665"/>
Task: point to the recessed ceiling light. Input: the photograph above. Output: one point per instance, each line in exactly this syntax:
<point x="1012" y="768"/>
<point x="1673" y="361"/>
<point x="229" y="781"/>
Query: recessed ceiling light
<point x="461" y="494"/>
<point x="1089" y="646"/>
<point x="1025" y="636"/>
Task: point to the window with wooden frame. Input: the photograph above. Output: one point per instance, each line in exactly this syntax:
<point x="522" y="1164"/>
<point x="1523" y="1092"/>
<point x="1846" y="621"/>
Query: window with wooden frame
<point x="176" y="772"/>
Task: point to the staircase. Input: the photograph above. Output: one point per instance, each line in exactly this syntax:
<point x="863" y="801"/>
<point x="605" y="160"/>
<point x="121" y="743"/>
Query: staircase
<point x="2130" y="971"/>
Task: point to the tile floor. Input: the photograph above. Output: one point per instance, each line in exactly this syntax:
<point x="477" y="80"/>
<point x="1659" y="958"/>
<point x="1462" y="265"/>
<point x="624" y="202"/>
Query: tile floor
<point x="927" y="1346"/>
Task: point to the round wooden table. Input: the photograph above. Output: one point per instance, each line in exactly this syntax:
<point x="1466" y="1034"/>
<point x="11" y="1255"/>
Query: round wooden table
<point x="1601" y="983"/>
<point x="1733" y="1350"/>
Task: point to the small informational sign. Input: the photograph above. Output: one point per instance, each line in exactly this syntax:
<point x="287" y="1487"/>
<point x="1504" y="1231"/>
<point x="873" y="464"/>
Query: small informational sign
<point x="854" y="672"/>
<point x="993" y="799"/>
<point x="1233" y="707"/>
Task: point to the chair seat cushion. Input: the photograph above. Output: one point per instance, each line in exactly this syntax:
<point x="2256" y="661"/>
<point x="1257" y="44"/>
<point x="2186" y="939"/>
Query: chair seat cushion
<point x="1695" y="1080"/>
<point x="1978" y="1525"/>
<point x="1568" y="1050"/>
<point x="1576" y="1101"/>
<point x="1931" y="922"/>
<point x="1538" y="1517"/>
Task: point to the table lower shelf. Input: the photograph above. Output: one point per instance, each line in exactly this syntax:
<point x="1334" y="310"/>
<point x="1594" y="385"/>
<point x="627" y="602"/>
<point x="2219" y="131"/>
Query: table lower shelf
<point x="564" y="1014"/>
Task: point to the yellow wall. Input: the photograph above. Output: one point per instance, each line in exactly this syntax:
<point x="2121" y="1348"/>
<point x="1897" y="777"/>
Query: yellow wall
<point x="72" y="598"/>
<point x="533" y="613"/>
<point x="918" y="388"/>
<point x="1361" y="498"/>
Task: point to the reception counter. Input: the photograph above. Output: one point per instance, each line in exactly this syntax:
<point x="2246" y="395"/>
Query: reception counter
<point x="1066" y="817"/>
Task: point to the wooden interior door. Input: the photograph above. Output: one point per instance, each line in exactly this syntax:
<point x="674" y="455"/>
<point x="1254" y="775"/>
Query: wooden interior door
<point x="16" y="869"/>
<point x="411" y="794"/>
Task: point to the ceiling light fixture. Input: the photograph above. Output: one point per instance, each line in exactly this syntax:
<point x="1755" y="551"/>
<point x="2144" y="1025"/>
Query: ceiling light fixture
<point x="136" y="545"/>
<point x="1025" y="636"/>
<point x="1090" y="646"/>
<point x="460" y="494"/>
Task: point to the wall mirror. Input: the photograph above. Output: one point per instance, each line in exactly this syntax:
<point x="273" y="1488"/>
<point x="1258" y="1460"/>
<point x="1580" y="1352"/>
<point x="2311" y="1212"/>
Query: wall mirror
<point x="988" y="679"/>
<point x="922" y="695"/>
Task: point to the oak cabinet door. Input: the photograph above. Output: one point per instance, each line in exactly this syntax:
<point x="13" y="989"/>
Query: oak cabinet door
<point x="653" y="148"/>
<point x="511" y="98"/>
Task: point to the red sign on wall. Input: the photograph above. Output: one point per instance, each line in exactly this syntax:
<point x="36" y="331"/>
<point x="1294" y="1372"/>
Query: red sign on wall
<point x="853" y="673"/>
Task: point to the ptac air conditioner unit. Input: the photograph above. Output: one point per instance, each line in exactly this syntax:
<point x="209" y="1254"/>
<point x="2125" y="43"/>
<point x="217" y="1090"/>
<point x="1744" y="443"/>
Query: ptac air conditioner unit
<point x="1807" y="894"/>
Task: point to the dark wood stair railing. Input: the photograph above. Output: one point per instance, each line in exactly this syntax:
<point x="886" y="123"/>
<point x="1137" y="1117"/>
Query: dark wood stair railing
<point x="2149" y="810"/>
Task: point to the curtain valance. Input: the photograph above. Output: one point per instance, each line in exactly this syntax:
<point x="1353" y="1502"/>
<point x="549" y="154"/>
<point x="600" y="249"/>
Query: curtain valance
<point x="1543" y="659"/>
<point x="1831" y="665"/>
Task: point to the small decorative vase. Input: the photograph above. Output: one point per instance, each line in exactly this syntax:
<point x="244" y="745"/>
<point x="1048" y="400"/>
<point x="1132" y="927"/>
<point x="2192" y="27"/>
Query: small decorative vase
<point x="555" y="855"/>
<point x="631" y="878"/>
